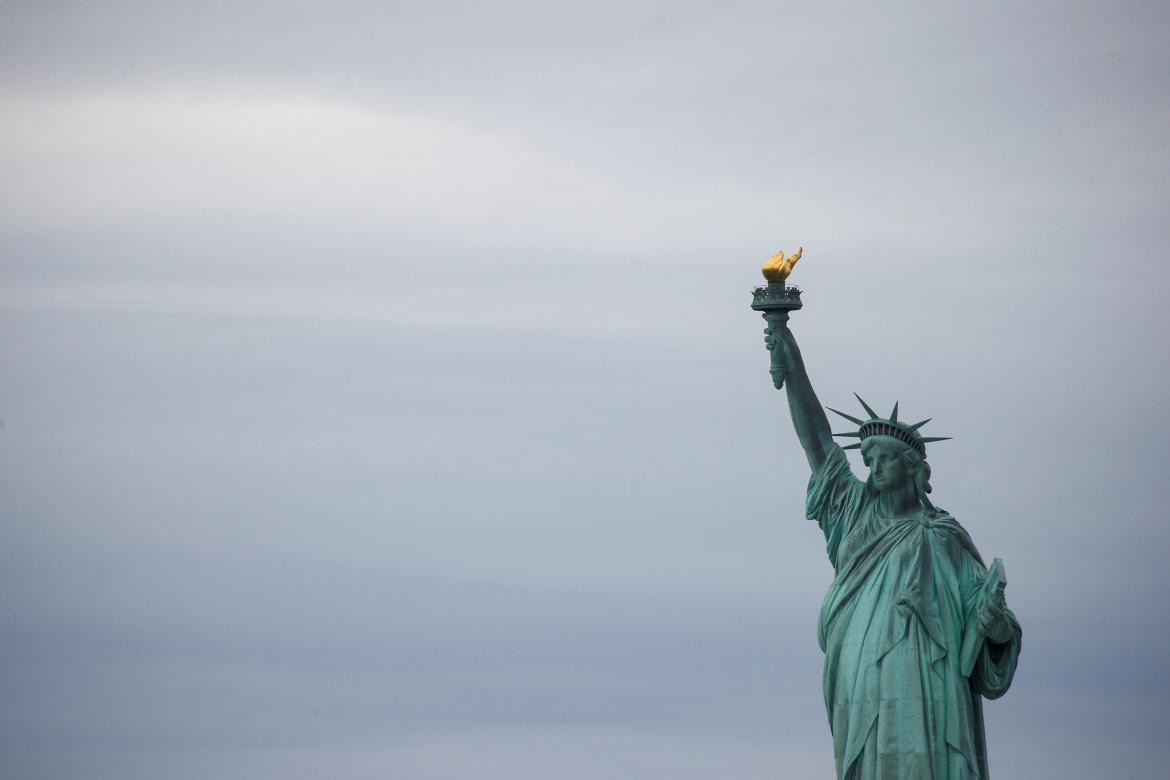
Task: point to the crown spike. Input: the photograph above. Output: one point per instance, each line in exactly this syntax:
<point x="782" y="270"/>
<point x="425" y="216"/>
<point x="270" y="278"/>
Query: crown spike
<point x="936" y="438"/>
<point x="894" y="414"/>
<point x="856" y="446"/>
<point x="848" y="417"/>
<point x="916" y="426"/>
<point x="853" y="435"/>
<point x="872" y="414"/>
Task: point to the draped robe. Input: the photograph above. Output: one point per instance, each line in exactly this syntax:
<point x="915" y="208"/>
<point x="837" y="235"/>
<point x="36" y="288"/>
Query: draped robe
<point x="906" y="591"/>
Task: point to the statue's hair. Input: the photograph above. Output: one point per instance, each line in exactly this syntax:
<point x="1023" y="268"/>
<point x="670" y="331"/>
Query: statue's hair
<point x="917" y="463"/>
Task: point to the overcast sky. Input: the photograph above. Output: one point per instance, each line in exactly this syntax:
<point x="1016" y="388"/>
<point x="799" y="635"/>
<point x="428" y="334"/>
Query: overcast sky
<point x="380" y="397"/>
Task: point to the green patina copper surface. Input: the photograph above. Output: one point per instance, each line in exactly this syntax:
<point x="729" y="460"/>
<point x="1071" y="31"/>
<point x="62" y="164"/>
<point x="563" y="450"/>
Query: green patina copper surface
<point x="914" y="628"/>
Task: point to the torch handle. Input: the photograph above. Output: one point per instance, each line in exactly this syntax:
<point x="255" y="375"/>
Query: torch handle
<point x="776" y="321"/>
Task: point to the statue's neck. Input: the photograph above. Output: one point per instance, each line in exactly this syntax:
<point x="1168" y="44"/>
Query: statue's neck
<point x="897" y="503"/>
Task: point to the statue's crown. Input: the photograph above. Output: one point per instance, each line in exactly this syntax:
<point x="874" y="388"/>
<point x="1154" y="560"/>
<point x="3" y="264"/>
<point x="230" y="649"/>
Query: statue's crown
<point x="877" y="425"/>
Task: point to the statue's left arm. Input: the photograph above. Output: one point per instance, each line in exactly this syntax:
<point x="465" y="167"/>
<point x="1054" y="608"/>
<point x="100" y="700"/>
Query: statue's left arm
<point x="996" y="640"/>
<point x="995" y="665"/>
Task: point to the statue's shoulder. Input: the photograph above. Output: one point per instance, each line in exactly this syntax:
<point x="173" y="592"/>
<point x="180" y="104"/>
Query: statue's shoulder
<point x="944" y="521"/>
<point x="941" y="518"/>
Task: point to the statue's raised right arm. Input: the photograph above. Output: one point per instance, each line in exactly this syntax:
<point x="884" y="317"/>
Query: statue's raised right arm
<point x="808" y="417"/>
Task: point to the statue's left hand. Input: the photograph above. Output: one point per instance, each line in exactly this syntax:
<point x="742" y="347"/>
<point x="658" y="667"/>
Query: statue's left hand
<point x="994" y="623"/>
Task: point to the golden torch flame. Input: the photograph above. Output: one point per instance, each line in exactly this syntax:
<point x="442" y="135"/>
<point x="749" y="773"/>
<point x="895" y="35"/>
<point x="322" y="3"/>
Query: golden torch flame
<point x="778" y="268"/>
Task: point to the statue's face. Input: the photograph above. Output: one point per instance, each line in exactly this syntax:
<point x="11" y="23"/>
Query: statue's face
<point x="887" y="469"/>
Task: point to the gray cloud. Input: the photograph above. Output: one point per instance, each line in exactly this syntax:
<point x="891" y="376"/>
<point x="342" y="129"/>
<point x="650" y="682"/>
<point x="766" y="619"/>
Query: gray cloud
<point x="381" y="397"/>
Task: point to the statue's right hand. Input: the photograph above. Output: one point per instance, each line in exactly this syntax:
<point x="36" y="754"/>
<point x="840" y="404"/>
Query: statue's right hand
<point x="774" y="342"/>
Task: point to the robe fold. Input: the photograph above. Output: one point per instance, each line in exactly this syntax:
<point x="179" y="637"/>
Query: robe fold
<point x="891" y="627"/>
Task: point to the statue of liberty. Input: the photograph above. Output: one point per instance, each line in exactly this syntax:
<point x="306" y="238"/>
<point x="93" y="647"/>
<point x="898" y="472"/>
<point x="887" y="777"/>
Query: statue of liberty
<point x="914" y="627"/>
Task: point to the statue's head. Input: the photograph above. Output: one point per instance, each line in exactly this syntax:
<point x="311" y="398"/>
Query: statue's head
<point x="894" y="452"/>
<point x="895" y="466"/>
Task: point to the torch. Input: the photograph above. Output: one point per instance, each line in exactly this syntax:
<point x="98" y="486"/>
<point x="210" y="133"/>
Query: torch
<point x="775" y="301"/>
